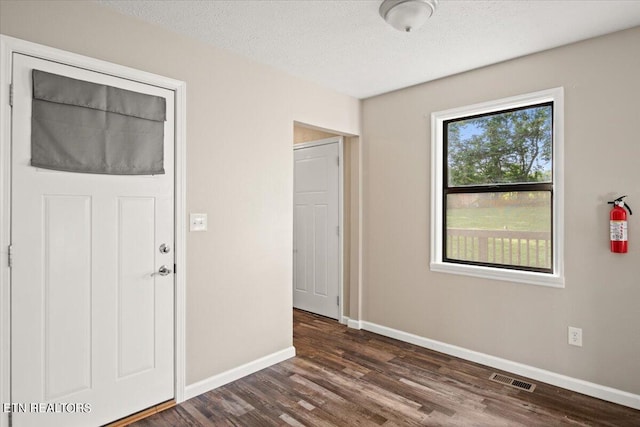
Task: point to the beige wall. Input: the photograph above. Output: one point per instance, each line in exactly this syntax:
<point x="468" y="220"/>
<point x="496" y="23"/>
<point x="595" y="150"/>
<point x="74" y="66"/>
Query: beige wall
<point x="522" y="323"/>
<point x="303" y="134"/>
<point x="353" y="247"/>
<point x="240" y="271"/>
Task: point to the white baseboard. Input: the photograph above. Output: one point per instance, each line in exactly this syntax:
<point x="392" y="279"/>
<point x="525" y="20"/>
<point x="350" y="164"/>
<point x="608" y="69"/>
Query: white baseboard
<point x="353" y="324"/>
<point x="585" y="387"/>
<point x="208" y="384"/>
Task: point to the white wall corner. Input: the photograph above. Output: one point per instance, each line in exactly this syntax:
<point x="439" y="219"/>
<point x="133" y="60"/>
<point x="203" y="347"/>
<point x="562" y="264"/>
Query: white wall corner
<point x="215" y="381"/>
<point x="585" y="387"/>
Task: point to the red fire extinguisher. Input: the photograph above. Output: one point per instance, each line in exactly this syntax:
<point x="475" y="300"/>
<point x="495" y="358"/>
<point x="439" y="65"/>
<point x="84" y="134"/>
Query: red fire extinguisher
<point x="618" y="225"/>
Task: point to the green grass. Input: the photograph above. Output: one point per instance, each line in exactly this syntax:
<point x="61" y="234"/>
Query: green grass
<point x="527" y="218"/>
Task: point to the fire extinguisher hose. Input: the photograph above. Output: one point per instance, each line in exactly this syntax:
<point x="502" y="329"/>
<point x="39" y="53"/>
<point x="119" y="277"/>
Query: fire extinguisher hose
<point x="620" y="202"/>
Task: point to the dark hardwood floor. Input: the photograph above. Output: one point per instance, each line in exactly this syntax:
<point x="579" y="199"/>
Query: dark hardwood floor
<point x="344" y="377"/>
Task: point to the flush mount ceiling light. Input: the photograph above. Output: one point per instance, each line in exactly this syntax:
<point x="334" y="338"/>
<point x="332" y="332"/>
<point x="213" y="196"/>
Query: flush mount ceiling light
<point x="407" y="15"/>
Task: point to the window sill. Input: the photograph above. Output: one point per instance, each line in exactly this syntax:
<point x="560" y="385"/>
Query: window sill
<point x="530" y="278"/>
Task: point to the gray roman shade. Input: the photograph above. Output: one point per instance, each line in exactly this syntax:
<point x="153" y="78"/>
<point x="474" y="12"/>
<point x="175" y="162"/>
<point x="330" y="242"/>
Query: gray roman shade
<point x="78" y="126"/>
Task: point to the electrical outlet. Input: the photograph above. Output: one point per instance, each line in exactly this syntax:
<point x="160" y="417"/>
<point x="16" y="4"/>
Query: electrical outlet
<point x="575" y="336"/>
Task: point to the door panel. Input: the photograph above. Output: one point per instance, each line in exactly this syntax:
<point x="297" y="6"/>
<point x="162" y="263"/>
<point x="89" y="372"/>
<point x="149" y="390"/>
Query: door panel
<point x="91" y="322"/>
<point x="316" y="260"/>
<point x="300" y="271"/>
<point x="312" y="174"/>
<point x="321" y="240"/>
<point x="67" y="277"/>
<point x="136" y="236"/>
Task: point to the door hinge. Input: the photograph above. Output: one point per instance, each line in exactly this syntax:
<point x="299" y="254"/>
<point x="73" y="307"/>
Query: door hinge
<point x="338" y="300"/>
<point x="11" y="95"/>
<point x="174" y="268"/>
<point x="338" y="160"/>
<point x="10" y="256"/>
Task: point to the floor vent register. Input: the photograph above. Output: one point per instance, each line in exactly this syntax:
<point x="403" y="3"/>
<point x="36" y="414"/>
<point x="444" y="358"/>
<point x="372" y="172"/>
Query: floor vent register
<point x="519" y="384"/>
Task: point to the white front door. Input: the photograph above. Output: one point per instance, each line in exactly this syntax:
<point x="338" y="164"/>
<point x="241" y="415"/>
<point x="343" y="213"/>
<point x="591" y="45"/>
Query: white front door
<point x="316" y="241"/>
<point x="91" y="327"/>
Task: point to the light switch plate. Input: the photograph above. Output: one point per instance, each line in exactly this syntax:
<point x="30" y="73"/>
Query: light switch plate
<point x="198" y="222"/>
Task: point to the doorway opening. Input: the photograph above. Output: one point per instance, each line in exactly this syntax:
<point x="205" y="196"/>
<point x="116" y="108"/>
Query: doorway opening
<point x="326" y="225"/>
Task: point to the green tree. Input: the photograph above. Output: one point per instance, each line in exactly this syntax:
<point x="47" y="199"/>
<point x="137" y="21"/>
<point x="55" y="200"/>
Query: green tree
<point x="509" y="147"/>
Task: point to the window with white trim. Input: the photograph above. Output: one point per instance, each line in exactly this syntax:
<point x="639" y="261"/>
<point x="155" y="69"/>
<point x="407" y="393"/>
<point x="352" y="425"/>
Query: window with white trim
<point x="496" y="208"/>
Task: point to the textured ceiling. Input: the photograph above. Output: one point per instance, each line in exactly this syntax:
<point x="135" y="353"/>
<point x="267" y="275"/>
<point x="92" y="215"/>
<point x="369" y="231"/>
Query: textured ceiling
<point x="345" y="45"/>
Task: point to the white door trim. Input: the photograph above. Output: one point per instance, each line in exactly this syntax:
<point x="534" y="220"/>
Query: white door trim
<point x="11" y="45"/>
<point x="340" y="141"/>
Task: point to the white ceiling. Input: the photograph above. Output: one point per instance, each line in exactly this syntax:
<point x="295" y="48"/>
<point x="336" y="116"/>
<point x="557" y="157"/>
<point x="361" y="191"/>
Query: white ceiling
<point x="346" y="46"/>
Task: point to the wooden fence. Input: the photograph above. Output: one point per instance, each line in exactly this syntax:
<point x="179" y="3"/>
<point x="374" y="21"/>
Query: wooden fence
<point x="524" y="248"/>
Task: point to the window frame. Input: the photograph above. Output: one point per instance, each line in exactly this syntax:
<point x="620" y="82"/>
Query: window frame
<point x="439" y="262"/>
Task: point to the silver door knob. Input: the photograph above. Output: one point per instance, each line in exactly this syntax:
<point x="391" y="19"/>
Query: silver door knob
<point x="164" y="248"/>
<point x="163" y="271"/>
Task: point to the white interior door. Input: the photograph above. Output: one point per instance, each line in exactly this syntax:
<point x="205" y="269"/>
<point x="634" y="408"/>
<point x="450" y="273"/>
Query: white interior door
<point x="316" y="241"/>
<point x="91" y="327"/>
